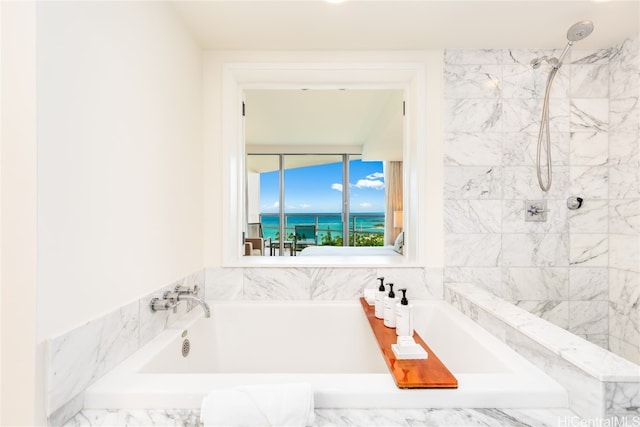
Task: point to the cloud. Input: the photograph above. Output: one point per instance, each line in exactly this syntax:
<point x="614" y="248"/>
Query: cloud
<point x="276" y="204"/>
<point x="375" y="175"/>
<point x="336" y="186"/>
<point x="365" y="205"/>
<point x="305" y="205"/>
<point x="376" y="184"/>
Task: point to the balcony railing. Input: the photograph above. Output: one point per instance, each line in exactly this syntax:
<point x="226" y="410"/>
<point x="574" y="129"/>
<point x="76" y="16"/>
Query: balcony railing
<point x="365" y="229"/>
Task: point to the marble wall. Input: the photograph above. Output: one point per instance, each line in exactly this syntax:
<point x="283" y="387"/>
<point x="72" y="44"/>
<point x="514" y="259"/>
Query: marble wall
<point x="601" y="385"/>
<point x="624" y="200"/>
<point x="579" y="269"/>
<point x="318" y="283"/>
<point x="82" y="355"/>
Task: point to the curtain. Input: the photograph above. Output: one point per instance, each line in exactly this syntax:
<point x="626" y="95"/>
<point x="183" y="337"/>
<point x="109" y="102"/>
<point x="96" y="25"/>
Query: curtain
<point x="393" y="199"/>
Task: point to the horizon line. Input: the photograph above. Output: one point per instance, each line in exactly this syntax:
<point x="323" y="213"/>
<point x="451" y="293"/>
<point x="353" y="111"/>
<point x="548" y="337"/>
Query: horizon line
<point x="321" y="213"/>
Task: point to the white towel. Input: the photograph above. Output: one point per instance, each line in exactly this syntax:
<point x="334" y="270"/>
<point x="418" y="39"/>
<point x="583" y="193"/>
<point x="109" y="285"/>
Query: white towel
<point x="276" y="405"/>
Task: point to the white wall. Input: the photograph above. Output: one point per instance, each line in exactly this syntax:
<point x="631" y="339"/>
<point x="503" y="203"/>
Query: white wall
<point x="253" y="197"/>
<point x="18" y="214"/>
<point x="120" y="182"/>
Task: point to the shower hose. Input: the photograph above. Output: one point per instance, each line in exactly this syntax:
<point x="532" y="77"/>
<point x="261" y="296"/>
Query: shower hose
<point x="545" y="135"/>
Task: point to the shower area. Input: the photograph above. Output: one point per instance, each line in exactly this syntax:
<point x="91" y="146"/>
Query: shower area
<point x="579" y="269"/>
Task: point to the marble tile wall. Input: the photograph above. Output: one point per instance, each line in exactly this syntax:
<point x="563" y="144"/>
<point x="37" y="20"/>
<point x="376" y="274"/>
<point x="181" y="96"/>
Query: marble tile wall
<point x="82" y="355"/>
<point x="560" y="269"/>
<point x="600" y="384"/>
<point x="624" y="200"/>
<point x="317" y="283"/>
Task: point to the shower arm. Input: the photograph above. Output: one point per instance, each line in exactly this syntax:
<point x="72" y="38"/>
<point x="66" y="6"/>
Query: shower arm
<point x="566" y="49"/>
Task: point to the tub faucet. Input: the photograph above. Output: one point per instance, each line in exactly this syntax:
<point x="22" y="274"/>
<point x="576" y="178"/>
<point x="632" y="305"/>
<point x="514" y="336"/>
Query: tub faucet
<point x="185" y="290"/>
<point x="170" y="299"/>
<point x="193" y="297"/>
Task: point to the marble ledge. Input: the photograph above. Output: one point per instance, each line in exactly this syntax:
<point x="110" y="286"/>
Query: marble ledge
<point x="592" y="359"/>
<point x="451" y="417"/>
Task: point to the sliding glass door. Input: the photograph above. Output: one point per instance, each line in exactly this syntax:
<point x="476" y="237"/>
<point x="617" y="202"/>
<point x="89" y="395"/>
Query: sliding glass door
<point x="314" y="193"/>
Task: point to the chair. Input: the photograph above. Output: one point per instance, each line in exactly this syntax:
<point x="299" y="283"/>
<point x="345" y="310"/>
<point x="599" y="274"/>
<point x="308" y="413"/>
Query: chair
<point x="304" y="235"/>
<point x="256" y="239"/>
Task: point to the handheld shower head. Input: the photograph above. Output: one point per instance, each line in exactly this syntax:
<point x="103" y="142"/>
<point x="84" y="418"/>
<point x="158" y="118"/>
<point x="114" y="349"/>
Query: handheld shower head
<point x="579" y="30"/>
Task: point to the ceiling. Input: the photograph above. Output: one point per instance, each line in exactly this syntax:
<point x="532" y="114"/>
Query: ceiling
<point x="303" y="117"/>
<point x="367" y="122"/>
<point x="403" y="25"/>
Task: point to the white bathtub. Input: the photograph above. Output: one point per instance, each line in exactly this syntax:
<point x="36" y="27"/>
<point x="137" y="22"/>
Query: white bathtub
<point x="330" y="345"/>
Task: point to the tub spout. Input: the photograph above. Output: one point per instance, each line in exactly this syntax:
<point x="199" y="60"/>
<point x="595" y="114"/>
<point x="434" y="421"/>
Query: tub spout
<point x="203" y="303"/>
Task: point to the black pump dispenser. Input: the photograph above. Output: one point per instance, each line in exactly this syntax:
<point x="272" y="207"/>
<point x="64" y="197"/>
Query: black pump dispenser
<point x="404" y="300"/>
<point x="381" y="287"/>
<point x="391" y="293"/>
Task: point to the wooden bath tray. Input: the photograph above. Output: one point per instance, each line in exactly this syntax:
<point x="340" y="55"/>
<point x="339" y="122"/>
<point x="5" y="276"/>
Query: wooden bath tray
<point x="409" y="373"/>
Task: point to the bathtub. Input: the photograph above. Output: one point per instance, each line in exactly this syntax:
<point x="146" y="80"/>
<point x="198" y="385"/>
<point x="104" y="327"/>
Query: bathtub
<point x="328" y="344"/>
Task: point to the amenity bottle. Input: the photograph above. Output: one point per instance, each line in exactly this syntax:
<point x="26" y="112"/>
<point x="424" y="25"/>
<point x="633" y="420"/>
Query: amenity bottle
<point x="404" y="323"/>
<point x="379" y="302"/>
<point x="390" y="308"/>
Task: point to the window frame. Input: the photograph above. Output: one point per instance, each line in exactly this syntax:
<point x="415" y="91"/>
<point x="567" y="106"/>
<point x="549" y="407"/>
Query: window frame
<point x="238" y="77"/>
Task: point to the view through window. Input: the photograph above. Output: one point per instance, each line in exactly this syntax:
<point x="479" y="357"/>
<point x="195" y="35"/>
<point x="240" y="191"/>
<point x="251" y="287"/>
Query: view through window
<point x="323" y="169"/>
<point x="322" y="191"/>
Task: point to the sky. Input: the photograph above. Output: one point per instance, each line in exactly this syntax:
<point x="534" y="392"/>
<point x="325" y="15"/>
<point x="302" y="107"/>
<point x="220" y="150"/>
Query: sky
<point x="314" y="189"/>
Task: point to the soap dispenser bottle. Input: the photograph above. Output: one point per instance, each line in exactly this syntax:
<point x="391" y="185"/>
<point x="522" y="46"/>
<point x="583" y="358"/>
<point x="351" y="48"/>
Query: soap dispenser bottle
<point x="379" y="302"/>
<point x="404" y="323"/>
<point x="390" y="308"/>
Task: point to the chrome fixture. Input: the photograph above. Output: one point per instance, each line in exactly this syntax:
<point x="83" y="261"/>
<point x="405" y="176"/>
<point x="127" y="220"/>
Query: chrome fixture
<point x="171" y="299"/>
<point x="535" y="210"/>
<point x="577" y="32"/>
<point x="574" y="202"/>
<point x="158" y="304"/>
<point x="195" y="298"/>
<point x="537" y="62"/>
<point x="186" y="347"/>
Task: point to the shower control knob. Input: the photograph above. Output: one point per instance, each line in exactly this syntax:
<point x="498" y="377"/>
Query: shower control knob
<point x="574" y="202"/>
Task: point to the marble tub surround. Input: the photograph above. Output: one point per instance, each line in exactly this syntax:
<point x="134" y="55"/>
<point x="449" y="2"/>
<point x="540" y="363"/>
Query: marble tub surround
<point x="624" y="206"/>
<point x="67" y="411"/>
<point x="600" y="383"/>
<point x="579" y="269"/>
<point x="318" y="283"/>
<point x="80" y="356"/>
<point x="348" y="418"/>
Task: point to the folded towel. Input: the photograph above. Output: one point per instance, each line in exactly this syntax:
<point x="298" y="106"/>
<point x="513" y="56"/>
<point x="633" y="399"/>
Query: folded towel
<point x="276" y="405"/>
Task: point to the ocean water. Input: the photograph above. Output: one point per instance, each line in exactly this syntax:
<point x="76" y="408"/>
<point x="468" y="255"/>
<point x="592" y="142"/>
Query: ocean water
<point x="327" y="222"/>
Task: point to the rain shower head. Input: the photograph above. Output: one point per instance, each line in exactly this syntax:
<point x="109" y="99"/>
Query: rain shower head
<point x="579" y="30"/>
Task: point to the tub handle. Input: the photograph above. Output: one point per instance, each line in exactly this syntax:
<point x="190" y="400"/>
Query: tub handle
<point x="158" y="304"/>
